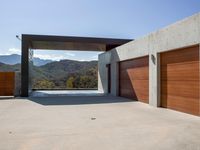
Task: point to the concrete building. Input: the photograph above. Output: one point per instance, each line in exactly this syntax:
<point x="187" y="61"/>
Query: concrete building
<point x="161" y="69"/>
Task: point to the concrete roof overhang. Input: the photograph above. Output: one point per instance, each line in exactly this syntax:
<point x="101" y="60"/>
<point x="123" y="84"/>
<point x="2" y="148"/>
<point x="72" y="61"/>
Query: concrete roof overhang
<point x="50" y="42"/>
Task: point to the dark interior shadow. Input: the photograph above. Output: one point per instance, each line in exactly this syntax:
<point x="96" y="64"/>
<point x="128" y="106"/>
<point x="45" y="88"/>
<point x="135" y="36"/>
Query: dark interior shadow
<point x="78" y="100"/>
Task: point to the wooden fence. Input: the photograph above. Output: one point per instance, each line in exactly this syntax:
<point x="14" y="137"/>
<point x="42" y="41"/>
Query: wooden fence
<point x="7" y="83"/>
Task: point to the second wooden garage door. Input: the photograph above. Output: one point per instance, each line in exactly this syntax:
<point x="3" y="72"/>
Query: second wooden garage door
<point x="134" y="79"/>
<point x="180" y="80"/>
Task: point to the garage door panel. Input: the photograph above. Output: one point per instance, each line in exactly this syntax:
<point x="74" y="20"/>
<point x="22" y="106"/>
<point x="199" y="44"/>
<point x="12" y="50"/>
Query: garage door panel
<point x="186" y="55"/>
<point x="128" y="93"/>
<point x="139" y="88"/>
<point x="135" y="73"/>
<point x="181" y="71"/>
<point x="142" y="96"/>
<point x="139" y="62"/>
<point x="183" y="104"/>
<point x="180" y="80"/>
<point x="181" y="88"/>
<point x="135" y="95"/>
<point x="124" y="75"/>
<point x="126" y="84"/>
<point x="140" y="85"/>
<point x="134" y="79"/>
<point x="139" y="73"/>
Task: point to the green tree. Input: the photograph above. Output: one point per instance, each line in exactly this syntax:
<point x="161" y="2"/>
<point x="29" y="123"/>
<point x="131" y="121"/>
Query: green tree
<point x="70" y="82"/>
<point x="43" y="84"/>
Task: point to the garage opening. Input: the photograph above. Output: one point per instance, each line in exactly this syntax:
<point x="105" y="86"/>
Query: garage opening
<point x="180" y="80"/>
<point x="134" y="79"/>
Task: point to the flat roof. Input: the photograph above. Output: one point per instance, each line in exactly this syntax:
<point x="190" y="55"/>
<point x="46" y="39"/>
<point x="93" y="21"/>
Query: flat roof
<point x="52" y="42"/>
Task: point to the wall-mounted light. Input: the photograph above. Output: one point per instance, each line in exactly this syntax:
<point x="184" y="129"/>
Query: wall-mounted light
<point x="153" y="59"/>
<point x="18" y="37"/>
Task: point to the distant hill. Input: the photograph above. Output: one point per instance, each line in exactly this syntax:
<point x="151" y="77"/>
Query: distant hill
<point x="10" y="59"/>
<point x="41" y="62"/>
<point x="7" y="68"/>
<point x="16" y="59"/>
<point x="1" y="63"/>
<point x="62" y="67"/>
<point x="61" y="74"/>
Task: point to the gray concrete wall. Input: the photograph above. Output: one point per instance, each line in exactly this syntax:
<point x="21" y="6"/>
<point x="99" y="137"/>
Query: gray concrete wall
<point x="102" y="72"/>
<point x="181" y="34"/>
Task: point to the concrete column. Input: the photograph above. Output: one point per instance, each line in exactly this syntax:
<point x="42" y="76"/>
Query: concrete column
<point x="30" y="56"/>
<point x="102" y="74"/>
<point x="102" y="78"/>
<point x="154" y="79"/>
<point x="114" y="78"/>
<point x="24" y="68"/>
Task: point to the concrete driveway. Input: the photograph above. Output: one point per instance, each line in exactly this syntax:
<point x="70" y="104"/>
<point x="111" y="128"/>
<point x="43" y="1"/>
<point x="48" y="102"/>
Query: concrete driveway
<point x="94" y="123"/>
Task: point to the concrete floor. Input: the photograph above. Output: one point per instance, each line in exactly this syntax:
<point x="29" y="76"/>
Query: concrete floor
<point x="56" y="93"/>
<point x="94" y="123"/>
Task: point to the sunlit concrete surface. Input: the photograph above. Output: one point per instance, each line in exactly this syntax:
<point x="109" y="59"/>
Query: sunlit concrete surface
<point x="53" y="93"/>
<point x="94" y="123"/>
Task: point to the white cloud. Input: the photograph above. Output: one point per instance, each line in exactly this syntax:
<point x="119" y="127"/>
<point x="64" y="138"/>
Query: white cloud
<point x="50" y="56"/>
<point x="69" y="54"/>
<point x="11" y="51"/>
<point x="73" y="55"/>
<point x="14" y="51"/>
<point x="55" y="56"/>
<point x="95" y="57"/>
<point x="82" y="60"/>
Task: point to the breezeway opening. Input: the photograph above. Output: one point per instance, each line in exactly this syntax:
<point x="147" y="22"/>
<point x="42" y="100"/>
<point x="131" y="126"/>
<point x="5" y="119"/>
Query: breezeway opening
<point x="64" y="70"/>
<point x="44" y="42"/>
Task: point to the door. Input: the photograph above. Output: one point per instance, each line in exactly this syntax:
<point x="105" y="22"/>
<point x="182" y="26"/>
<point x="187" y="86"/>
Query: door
<point x="180" y="80"/>
<point x="134" y="79"/>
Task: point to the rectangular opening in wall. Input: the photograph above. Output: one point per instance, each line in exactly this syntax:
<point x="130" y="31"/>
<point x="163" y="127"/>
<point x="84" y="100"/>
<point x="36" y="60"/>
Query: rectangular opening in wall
<point x="64" y="70"/>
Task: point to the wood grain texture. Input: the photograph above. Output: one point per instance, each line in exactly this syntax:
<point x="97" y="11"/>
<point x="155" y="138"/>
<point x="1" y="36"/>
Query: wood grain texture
<point x="180" y="80"/>
<point x="134" y="79"/>
<point x="7" y="83"/>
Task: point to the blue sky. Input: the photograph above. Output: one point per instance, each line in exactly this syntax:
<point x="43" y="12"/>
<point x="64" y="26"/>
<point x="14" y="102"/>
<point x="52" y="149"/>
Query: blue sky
<point x="94" y="18"/>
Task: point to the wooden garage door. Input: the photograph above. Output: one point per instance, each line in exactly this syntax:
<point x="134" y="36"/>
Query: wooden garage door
<point x="180" y="80"/>
<point x="7" y="83"/>
<point x="134" y="79"/>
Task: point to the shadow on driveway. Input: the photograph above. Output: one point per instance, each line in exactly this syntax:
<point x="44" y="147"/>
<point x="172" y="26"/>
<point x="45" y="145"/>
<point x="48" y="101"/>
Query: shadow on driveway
<point x="78" y="100"/>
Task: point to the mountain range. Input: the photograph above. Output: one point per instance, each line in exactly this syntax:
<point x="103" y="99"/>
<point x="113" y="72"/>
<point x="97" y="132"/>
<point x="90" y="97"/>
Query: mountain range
<point x="16" y="59"/>
<point x="59" y="74"/>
